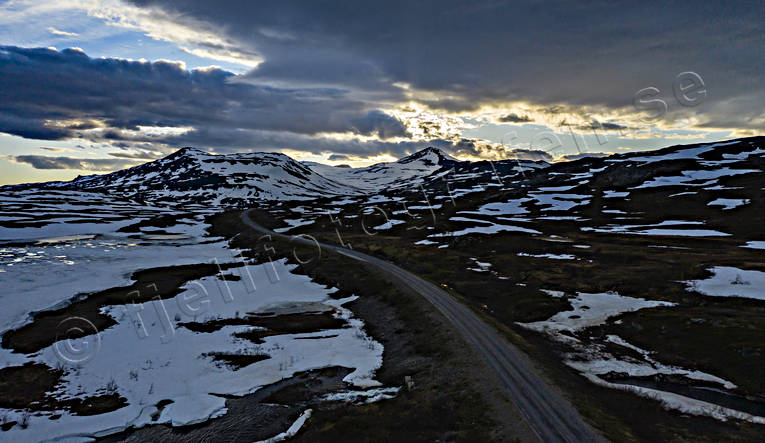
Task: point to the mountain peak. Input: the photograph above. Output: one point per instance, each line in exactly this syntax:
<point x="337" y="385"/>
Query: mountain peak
<point x="429" y="153"/>
<point x="188" y="150"/>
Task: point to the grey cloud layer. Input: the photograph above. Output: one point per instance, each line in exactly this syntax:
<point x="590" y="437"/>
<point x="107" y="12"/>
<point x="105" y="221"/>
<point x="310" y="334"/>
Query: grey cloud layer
<point x="332" y="67"/>
<point x="40" y="85"/>
<point x="578" y="53"/>
<point x="47" y="94"/>
<point x="45" y="162"/>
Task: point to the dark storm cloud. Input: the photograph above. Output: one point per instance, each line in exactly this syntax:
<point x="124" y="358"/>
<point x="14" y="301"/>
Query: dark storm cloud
<point x="530" y="154"/>
<point x="380" y="123"/>
<point x="572" y="157"/>
<point x="30" y="127"/>
<point x="594" y="126"/>
<point x="225" y="140"/>
<point x="145" y="156"/>
<point x="545" y="52"/>
<point x="515" y="118"/>
<point x="479" y="148"/>
<point x="44" y="162"/>
<point x="40" y="86"/>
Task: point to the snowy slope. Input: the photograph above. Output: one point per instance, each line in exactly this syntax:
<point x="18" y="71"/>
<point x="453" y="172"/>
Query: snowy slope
<point x="407" y="172"/>
<point x="192" y="176"/>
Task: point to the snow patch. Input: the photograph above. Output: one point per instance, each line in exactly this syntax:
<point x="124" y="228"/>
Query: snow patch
<point x="731" y="282"/>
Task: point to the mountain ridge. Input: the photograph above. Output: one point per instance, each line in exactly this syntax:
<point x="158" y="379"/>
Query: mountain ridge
<point x="193" y="176"/>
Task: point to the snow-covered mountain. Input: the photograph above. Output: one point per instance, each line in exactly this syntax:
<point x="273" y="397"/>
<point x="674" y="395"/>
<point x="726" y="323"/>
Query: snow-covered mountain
<point x="192" y="176"/>
<point x="407" y="172"/>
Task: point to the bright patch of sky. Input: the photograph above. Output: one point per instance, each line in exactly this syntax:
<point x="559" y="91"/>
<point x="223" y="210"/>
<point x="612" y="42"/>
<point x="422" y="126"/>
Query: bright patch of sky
<point x="533" y="136"/>
<point x="68" y="24"/>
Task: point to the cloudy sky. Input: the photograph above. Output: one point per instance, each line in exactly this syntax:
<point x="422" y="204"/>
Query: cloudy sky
<point x="91" y="86"/>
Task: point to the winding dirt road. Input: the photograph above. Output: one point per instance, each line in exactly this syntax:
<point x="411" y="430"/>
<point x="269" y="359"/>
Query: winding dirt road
<point x="549" y="415"/>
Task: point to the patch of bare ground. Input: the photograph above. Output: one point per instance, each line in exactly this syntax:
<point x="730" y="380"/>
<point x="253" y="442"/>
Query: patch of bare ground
<point x="31" y="388"/>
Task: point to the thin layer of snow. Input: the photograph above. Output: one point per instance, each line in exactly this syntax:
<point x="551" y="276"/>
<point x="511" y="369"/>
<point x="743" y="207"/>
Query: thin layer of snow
<point x="557" y="188"/>
<point x="482" y="266"/>
<point x="492" y="228"/>
<point x="50" y="275"/>
<point x="362" y="397"/>
<point x="292" y="430"/>
<point x="723" y="188"/>
<point x="62" y="229"/>
<point x="550" y="256"/>
<point x="404" y="173"/>
<point x="679" y="402"/>
<point x="681" y="154"/>
<point x="388" y="224"/>
<point x="657" y="229"/>
<point x="294" y="223"/>
<point x="592" y="362"/>
<point x="168" y="361"/>
<point x="510" y="207"/>
<point x="743" y="155"/>
<point x="755" y="245"/>
<point x="615" y="194"/>
<point x="729" y="203"/>
<point x="687" y="177"/>
<point x="382" y="199"/>
<point x="562" y="217"/>
<point x="425" y="207"/>
<point x="731" y="282"/>
<point x="592" y="310"/>
<point x="559" y="202"/>
<point x="682" y="232"/>
<point x="605" y="365"/>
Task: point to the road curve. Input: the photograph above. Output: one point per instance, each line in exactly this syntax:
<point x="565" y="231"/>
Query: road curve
<point x="549" y="415"/>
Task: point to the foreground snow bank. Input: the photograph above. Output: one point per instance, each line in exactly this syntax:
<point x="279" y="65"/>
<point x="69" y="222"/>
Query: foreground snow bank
<point x="731" y="282"/>
<point x="150" y="359"/>
<point x="591" y="310"/>
<point x="594" y="360"/>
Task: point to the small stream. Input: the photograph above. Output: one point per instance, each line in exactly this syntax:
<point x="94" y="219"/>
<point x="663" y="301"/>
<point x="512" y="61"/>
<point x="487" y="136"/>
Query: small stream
<point x="704" y="393"/>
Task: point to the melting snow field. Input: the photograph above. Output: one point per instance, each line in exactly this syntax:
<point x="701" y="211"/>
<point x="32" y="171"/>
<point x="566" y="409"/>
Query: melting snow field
<point x="40" y="278"/>
<point x="149" y="357"/>
<point x="166" y="361"/>
<point x="388" y="225"/>
<point x="511" y="207"/>
<point x="490" y="228"/>
<point x="591" y="310"/>
<point x="689" y="176"/>
<point x="659" y="229"/>
<point x="731" y="282"/>
<point x="729" y="203"/>
<point x="550" y="256"/>
<point x="595" y="363"/>
<point x="293" y="223"/>
<point x="560" y="202"/>
<point x="690" y="153"/>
